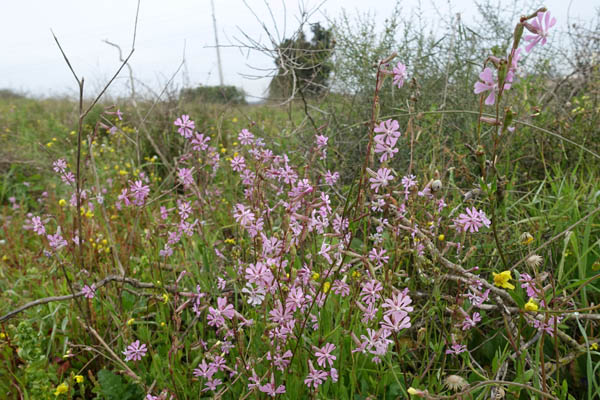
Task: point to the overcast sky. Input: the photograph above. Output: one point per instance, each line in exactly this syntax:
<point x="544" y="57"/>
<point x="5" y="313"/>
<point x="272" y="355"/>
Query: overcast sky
<point x="31" y="61"/>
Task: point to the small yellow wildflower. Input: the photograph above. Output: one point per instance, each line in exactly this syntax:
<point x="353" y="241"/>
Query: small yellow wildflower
<point x="49" y="144"/>
<point x="130" y="321"/>
<point x="61" y="389"/>
<point x="531" y="305"/>
<point x="2" y="336"/>
<point x="415" y="392"/>
<point x="441" y="237"/>
<point x="122" y="172"/>
<point x="235" y="144"/>
<point x="594" y="346"/>
<point x="234" y="119"/>
<point x="223" y="150"/>
<point x="230" y="241"/>
<point x="326" y="287"/>
<point x="526" y="238"/>
<point x="315" y="276"/>
<point x="502" y="280"/>
<point x="78" y="378"/>
<point x="62" y="202"/>
<point x="163" y="324"/>
<point x="165" y="297"/>
<point x="355" y="275"/>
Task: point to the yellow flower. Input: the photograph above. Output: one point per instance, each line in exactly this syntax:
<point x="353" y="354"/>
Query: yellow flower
<point x="502" y="280"/>
<point x="2" y="335"/>
<point x="594" y="346"/>
<point x="326" y="287"/>
<point x="61" y="389"/>
<point x="165" y="297"/>
<point x="315" y="276"/>
<point x="441" y="237"/>
<point x="416" y="392"/>
<point x="526" y="238"/>
<point x="62" y="202"/>
<point x="162" y="324"/>
<point x="130" y="321"/>
<point x="230" y="241"/>
<point x="78" y="378"/>
<point x="531" y="305"/>
<point x="234" y="119"/>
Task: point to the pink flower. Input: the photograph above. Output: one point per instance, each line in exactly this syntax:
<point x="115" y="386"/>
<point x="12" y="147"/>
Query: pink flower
<point x="323" y="354"/>
<point x="238" y="163"/>
<point x="529" y="285"/>
<point x="547" y="327"/>
<point x="186" y="126"/>
<point x="472" y="220"/>
<point x="38" y="225"/>
<point x="270" y="389"/>
<point x="381" y="179"/>
<point x="389" y="132"/>
<point x="200" y="142"/>
<point x="487" y="83"/>
<point x="212" y="384"/>
<point x="215" y="315"/>
<point x="386" y="150"/>
<point x="89" y="292"/>
<point x="281" y="361"/>
<point x="398" y="305"/>
<point x="59" y="166"/>
<point x="255" y="295"/>
<point x="456" y="349"/>
<point x="331" y="178"/>
<point x="395" y="322"/>
<point x="135" y="351"/>
<point x="341" y="288"/>
<point x="369" y="291"/>
<point x="260" y="274"/>
<point x="470" y="322"/>
<point x="321" y="141"/>
<point x="244" y="216"/>
<point x="56" y="241"/>
<point x="246" y="137"/>
<point x="295" y="299"/>
<point x="204" y="370"/>
<point x="539" y="27"/>
<point x="378" y="257"/>
<point x="399" y="74"/>
<point x="139" y="191"/>
<point x="315" y="377"/>
<point x="512" y="70"/>
<point x="185" y="177"/>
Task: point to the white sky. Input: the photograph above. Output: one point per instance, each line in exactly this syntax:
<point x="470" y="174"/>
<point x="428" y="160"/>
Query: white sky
<point x="32" y="63"/>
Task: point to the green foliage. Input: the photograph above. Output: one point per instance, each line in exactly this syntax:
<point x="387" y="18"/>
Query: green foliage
<point x="303" y="65"/>
<point x="214" y="95"/>
<point x="115" y="387"/>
